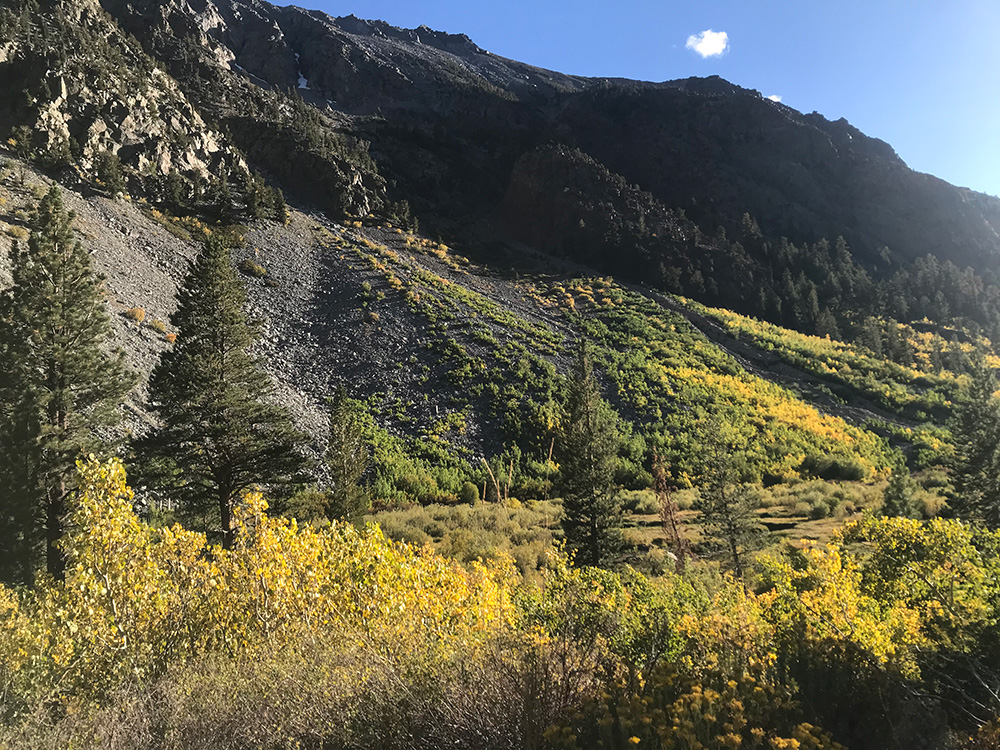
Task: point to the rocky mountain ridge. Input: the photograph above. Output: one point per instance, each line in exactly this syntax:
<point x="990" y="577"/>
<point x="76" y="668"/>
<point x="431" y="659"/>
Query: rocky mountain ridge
<point x="433" y="119"/>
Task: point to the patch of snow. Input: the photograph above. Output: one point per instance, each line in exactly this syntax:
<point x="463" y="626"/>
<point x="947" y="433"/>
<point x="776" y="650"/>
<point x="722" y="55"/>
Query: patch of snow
<point x="303" y="81"/>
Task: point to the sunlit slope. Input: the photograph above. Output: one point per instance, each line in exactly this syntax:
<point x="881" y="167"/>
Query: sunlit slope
<point x="503" y="341"/>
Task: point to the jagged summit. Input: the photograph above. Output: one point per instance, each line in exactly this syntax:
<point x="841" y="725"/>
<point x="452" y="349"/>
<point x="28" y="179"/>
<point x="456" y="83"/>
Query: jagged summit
<point x="455" y="43"/>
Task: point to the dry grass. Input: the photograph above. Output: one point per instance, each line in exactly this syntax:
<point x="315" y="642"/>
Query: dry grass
<point x="795" y="512"/>
<point x="479" y="532"/>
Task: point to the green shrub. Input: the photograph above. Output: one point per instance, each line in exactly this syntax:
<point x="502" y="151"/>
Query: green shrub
<point x="469" y="494"/>
<point x="686" y="499"/>
<point x="251" y="268"/>
<point x="834" y="467"/>
<point x="642" y="502"/>
<point x="819" y="509"/>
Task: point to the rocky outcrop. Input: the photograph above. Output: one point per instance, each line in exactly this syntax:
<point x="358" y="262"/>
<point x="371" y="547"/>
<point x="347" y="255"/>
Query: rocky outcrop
<point x="86" y="89"/>
<point x="237" y="64"/>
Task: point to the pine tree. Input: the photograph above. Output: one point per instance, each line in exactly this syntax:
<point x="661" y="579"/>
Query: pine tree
<point x="21" y="141"/>
<point x="347" y="458"/>
<point x="728" y="507"/>
<point x="175" y="189"/>
<point x="56" y="386"/>
<point x="108" y="168"/>
<point x="588" y="453"/>
<point x="221" y="433"/>
<point x="898" y="500"/>
<point x="280" y="206"/>
<point x="870" y="336"/>
<point x="252" y="188"/>
<point x="826" y="324"/>
<point x="976" y="429"/>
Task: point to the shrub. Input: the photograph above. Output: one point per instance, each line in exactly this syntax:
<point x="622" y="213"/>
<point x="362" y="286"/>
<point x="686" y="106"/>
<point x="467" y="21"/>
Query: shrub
<point x="932" y="505"/>
<point x="834" y="467"/>
<point x="129" y="593"/>
<point x="678" y="711"/>
<point x="158" y="325"/>
<point x="685" y="499"/>
<point x="137" y="314"/>
<point x="251" y="268"/>
<point x="339" y="638"/>
<point x="469" y="494"/>
<point x="640" y="502"/>
<point x="818" y="510"/>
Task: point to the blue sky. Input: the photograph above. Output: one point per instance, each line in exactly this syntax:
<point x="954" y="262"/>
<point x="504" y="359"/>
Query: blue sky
<point x="923" y="75"/>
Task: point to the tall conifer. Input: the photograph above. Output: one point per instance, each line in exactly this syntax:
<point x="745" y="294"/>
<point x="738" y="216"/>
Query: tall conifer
<point x="976" y="428"/>
<point x="587" y="453"/>
<point x="221" y="433"/>
<point x="56" y="386"/>
<point x="347" y="459"/>
<point x="899" y="500"/>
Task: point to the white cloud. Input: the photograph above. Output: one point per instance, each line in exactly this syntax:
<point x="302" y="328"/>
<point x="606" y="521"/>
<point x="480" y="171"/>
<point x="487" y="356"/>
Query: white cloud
<point x="775" y="97"/>
<point x="709" y="43"/>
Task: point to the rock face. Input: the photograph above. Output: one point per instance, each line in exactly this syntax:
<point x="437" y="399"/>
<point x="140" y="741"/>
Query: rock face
<point x="722" y="152"/>
<point x="360" y="65"/>
<point x="85" y="90"/>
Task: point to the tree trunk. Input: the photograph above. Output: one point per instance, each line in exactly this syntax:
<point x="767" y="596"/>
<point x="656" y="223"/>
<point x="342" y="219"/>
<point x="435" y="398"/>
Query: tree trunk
<point x="55" y="561"/>
<point x="226" y="503"/>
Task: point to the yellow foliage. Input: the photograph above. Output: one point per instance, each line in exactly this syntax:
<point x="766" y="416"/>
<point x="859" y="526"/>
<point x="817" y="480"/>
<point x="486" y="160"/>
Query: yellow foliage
<point x="943" y="570"/>
<point x="828" y="597"/>
<point x="732" y="633"/>
<point x="672" y="712"/>
<point x="629" y="662"/>
<point x="136" y="600"/>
